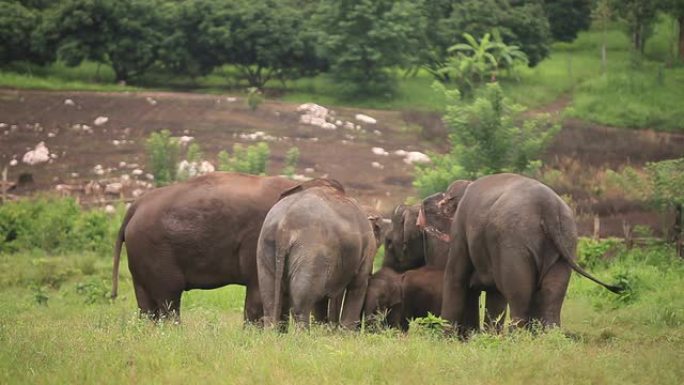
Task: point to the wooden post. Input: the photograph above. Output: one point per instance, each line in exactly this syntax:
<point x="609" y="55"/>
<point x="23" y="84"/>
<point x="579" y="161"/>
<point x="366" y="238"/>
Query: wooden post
<point x="597" y="226"/>
<point x="627" y="230"/>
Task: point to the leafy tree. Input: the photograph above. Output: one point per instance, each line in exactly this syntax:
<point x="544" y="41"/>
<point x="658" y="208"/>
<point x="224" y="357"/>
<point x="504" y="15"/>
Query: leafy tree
<point x="486" y="138"/>
<point x="17" y="37"/>
<point x="676" y="9"/>
<point x="122" y="33"/>
<point x="521" y="23"/>
<point x="363" y="39"/>
<point x="603" y="14"/>
<point x="478" y="61"/>
<point x="568" y="17"/>
<point x="639" y="15"/>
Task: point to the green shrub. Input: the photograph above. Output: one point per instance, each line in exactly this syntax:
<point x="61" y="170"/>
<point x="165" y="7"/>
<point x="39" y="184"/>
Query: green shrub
<point x="591" y="252"/>
<point x="94" y="290"/>
<point x="430" y="325"/>
<point x="162" y="156"/>
<point x="251" y="160"/>
<point x="291" y="160"/>
<point x="254" y="98"/>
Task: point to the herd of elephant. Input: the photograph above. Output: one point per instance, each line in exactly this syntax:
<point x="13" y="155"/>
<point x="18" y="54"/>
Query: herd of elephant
<point x="307" y="249"/>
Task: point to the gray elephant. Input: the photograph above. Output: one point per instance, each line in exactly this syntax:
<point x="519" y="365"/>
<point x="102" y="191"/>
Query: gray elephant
<point x="315" y="243"/>
<point x="516" y="237"/>
<point x="418" y="236"/>
<point x="199" y="234"/>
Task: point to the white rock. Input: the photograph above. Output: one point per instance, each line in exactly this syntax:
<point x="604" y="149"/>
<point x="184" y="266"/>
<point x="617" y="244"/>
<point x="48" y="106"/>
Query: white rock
<point x="137" y="172"/>
<point x="149" y="176"/>
<point x="114" y="188"/>
<point x="13" y="162"/>
<point x="401" y="153"/>
<point x="74" y="175"/>
<point x="39" y="154"/>
<point x="338" y="123"/>
<point x="377" y="132"/>
<point x="185" y="140"/>
<point x="206" y="167"/>
<point x="3" y="125"/>
<point x="122" y="164"/>
<point x="69" y="102"/>
<point x="109" y="209"/>
<point x="379" y="151"/>
<point x="53" y="156"/>
<point x="349" y="125"/>
<point x="51" y="134"/>
<point x="231" y="99"/>
<point x="151" y="101"/>
<point x="308" y="170"/>
<point x="125" y="178"/>
<point x="365" y="119"/>
<point x="132" y="166"/>
<point x="377" y="165"/>
<point x="300" y="178"/>
<point x="116" y="142"/>
<point x="137" y="192"/>
<point x="100" y="120"/>
<point x="98" y="170"/>
<point x="258" y="135"/>
<point x="416" y="157"/>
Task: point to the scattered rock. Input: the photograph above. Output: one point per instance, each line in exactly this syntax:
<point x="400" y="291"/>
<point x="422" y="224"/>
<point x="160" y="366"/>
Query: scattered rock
<point x="114" y="188"/>
<point x="309" y="170"/>
<point x="100" y="120"/>
<point x="316" y="115"/>
<point x="137" y="192"/>
<point x="151" y="101"/>
<point x="377" y="132"/>
<point x="109" y="209"/>
<point x="116" y="142"/>
<point x="185" y="140"/>
<point x="400" y="152"/>
<point x="122" y="164"/>
<point x="377" y="165"/>
<point x="231" y="99"/>
<point x="74" y="175"/>
<point x="40" y="154"/>
<point x="137" y="172"/>
<point x="13" y="162"/>
<point x="125" y="178"/>
<point x="98" y="170"/>
<point x="365" y="119"/>
<point x="416" y="157"/>
<point x="300" y="178"/>
<point x="149" y="176"/>
<point x="69" y="102"/>
<point x="206" y="167"/>
<point x="258" y="135"/>
<point x="51" y="134"/>
<point x="379" y="151"/>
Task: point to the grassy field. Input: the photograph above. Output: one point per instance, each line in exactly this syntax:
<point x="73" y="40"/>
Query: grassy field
<point x="56" y="326"/>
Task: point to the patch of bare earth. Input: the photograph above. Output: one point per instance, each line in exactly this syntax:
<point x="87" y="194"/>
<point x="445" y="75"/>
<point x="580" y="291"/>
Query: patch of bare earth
<point x="217" y="122"/>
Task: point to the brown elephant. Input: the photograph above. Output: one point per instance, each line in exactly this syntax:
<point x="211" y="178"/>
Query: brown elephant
<point x="404" y="296"/>
<point x="315" y="243"/>
<point x="198" y="234"/>
<point x="514" y="236"/>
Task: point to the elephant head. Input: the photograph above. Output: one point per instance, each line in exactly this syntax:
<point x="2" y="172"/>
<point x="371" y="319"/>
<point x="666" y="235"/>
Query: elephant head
<point x="452" y="197"/>
<point x="404" y="243"/>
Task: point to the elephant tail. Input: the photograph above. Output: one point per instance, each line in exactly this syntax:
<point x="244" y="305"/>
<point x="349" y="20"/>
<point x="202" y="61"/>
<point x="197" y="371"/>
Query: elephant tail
<point x="281" y="260"/>
<point x="554" y="228"/>
<point x="117" y="250"/>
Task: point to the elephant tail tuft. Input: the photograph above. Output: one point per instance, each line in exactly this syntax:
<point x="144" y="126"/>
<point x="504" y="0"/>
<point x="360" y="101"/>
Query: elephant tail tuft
<point x="120" y="239"/>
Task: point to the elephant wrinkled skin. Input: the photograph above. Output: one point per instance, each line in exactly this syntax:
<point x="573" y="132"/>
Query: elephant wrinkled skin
<point x="198" y="234"/>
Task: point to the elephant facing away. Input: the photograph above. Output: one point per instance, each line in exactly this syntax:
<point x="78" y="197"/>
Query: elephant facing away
<point x="199" y="234"/>
<point x="515" y="236"/>
<point x="315" y="244"/>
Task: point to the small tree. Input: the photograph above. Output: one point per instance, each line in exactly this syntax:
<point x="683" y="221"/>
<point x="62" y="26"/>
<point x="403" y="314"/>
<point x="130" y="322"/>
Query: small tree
<point x="639" y="15"/>
<point x="291" y="159"/>
<point x="486" y="138"/>
<point x="162" y="155"/>
<point x="251" y="160"/>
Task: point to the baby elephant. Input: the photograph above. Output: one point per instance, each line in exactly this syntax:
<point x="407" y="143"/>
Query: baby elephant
<point x="315" y="244"/>
<point x="404" y="296"/>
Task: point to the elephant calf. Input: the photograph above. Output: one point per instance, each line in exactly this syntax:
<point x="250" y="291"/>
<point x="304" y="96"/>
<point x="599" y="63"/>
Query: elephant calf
<point x="404" y="296"/>
<point x="315" y="244"/>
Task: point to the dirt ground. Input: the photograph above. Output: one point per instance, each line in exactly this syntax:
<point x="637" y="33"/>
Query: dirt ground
<point x="217" y="122"/>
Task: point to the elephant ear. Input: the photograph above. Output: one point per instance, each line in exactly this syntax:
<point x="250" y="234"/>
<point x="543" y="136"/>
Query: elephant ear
<point x="453" y="196"/>
<point x="317" y="182"/>
<point x="381" y="227"/>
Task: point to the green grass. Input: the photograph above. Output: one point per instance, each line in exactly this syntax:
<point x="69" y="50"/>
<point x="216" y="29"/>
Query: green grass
<point x="79" y="337"/>
<point x="60" y="77"/>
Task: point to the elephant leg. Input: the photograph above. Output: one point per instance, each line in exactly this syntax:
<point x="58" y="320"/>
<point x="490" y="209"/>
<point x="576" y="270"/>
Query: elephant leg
<point x="335" y="308"/>
<point x="302" y="309"/>
<point x="169" y="306"/>
<point x="495" y="311"/>
<point x="353" y="301"/>
<point x="456" y="279"/>
<point x="146" y="305"/>
<point x="254" y="308"/>
<point x="549" y="298"/>
<point x="320" y="313"/>
<point x="471" y="316"/>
